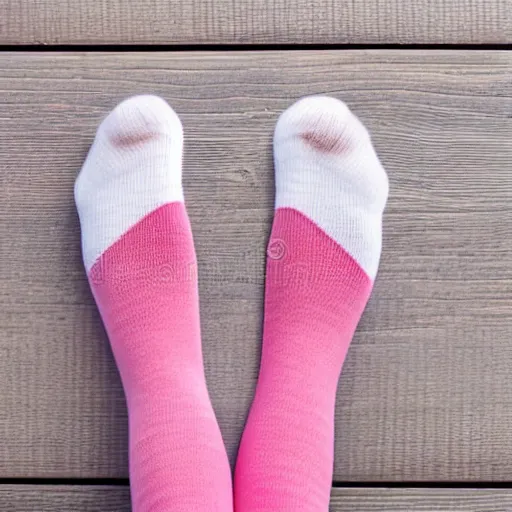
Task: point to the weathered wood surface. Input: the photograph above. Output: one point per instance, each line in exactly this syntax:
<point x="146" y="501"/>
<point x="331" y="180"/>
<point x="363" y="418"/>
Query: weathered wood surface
<point x="255" y="21"/>
<point x="426" y="392"/>
<point x="64" y="498"/>
<point x="421" y="500"/>
<point x="90" y="498"/>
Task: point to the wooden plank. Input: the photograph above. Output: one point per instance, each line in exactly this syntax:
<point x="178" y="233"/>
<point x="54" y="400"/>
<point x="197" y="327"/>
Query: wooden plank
<point x="421" y="500"/>
<point x="426" y="392"/>
<point x="95" y="498"/>
<point x="65" y="498"/>
<point x="256" y="21"/>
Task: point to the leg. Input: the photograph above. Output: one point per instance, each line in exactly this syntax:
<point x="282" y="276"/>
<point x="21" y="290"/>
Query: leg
<point x="323" y="256"/>
<point x="140" y="259"/>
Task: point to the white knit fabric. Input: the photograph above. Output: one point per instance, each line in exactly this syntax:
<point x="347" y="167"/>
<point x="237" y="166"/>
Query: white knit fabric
<point x="133" y="167"/>
<point x="342" y="188"/>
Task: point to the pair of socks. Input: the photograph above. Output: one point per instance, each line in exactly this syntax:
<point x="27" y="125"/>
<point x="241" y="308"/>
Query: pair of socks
<point x="323" y="256"/>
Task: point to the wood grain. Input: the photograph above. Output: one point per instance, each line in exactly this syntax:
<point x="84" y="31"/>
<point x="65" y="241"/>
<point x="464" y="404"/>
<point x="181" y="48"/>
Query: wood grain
<point x="425" y="393"/>
<point x="95" y="498"/>
<point x="420" y="500"/>
<point x="255" y="21"/>
<point x="64" y="498"/>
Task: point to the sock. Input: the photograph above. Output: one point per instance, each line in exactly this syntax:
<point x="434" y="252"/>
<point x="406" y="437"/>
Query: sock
<point x="323" y="256"/>
<point x="140" y="260"/>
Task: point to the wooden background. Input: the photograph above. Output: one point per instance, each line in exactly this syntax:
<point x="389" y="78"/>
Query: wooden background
<point x="255" y="21"/>
<point x="425" y="395"/>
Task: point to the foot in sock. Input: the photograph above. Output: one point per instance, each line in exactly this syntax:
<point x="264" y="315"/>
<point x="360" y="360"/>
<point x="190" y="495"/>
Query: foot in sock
<point x="323" y="256"/>
<point x="140" y="259"/>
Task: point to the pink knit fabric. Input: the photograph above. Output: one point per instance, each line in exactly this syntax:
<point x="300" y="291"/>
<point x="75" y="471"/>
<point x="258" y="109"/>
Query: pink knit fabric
<point x="315" y="295"/>
<point x="145" y="286"/>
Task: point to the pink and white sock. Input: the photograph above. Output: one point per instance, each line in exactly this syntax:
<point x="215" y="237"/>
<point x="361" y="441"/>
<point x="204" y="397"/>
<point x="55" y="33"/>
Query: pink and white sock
<point x="139" y="256"/>
<point x="323" y="256"/>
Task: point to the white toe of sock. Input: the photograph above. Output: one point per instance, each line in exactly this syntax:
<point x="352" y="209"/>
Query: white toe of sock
<point x="327" y="169"/>
<point x="133" y="167"/>
<point x="138" y="119"/>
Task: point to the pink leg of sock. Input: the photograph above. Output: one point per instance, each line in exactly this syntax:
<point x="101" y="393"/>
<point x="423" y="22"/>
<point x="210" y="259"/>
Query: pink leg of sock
<point x="322" y="258"/>
<point x="139" y="254"/>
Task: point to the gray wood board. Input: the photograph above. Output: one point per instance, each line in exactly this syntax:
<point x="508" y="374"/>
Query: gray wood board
<point x="95" y="498"/>
<point x="256" y="21"/>
<point x="425" y="393"/>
